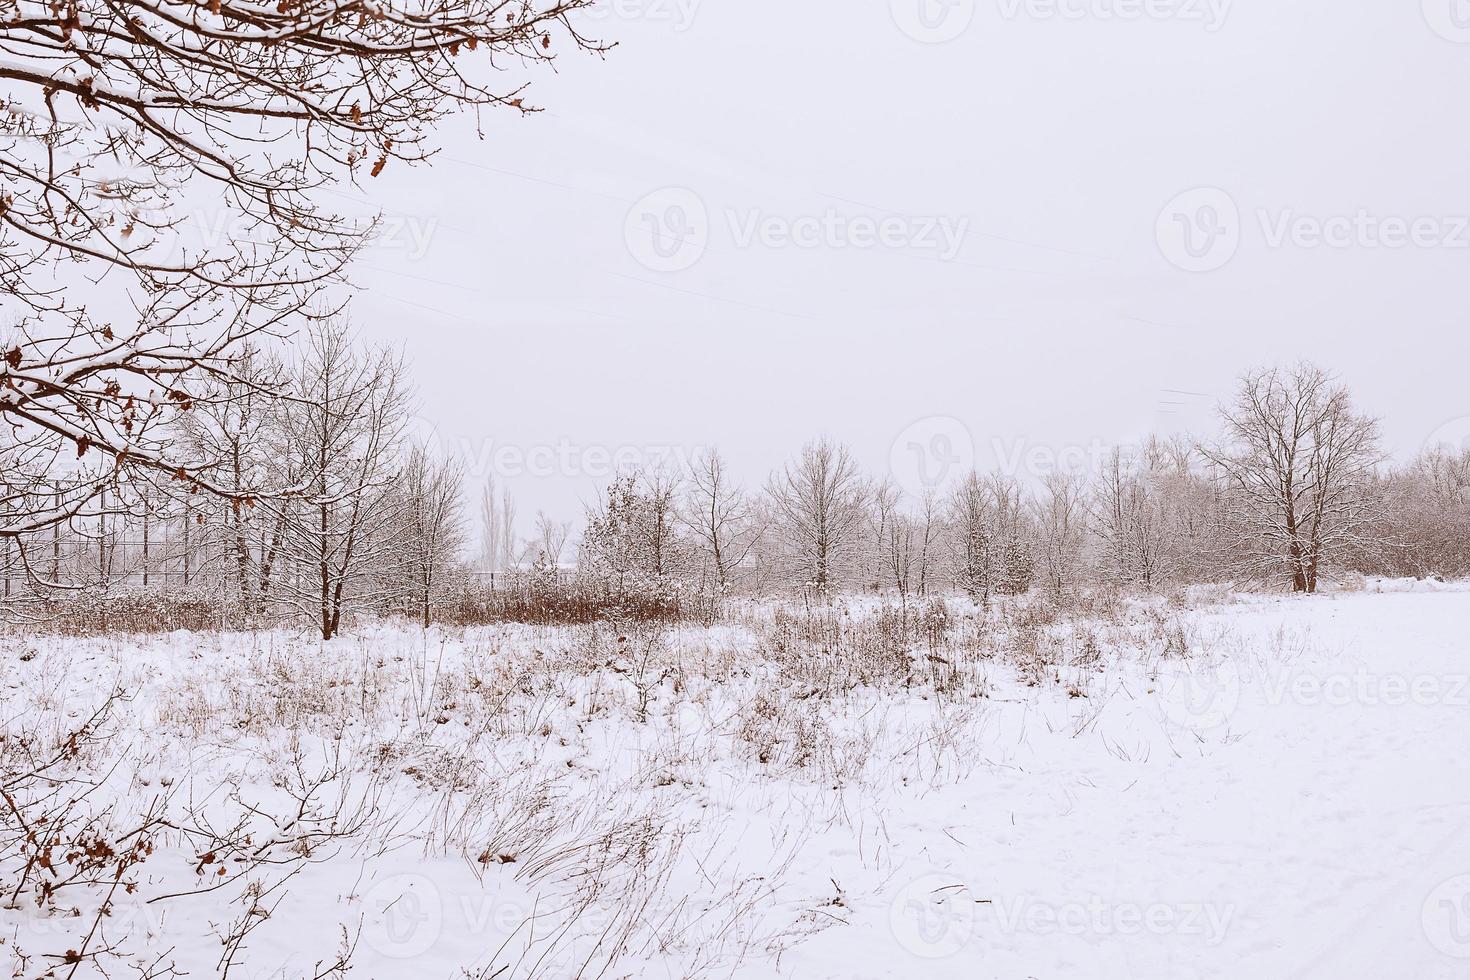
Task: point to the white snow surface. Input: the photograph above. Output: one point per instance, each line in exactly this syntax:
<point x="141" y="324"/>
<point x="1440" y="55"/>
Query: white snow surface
<point x="1271" y="787"/>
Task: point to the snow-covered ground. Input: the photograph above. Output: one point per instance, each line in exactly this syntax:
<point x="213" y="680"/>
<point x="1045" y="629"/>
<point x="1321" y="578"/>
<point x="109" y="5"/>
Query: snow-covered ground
<point x="1267" y="786"/>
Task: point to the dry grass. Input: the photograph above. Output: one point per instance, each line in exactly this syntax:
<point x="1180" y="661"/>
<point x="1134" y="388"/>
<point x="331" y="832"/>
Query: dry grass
<point x="579" y="767"/>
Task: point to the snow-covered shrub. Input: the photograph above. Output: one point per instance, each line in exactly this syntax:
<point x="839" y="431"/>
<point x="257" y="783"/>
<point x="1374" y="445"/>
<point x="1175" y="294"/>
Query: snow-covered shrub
<point x="564" y="600"/>
<point x="140" y="611"/>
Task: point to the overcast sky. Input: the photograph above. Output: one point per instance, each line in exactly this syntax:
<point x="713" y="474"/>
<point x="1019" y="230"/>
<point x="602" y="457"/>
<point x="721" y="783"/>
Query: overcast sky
<point x="986" y="229"/>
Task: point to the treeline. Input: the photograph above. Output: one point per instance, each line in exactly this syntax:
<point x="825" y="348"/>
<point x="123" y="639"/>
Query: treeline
<point x="1293" y="490"/>
<point x="357" y="516"/>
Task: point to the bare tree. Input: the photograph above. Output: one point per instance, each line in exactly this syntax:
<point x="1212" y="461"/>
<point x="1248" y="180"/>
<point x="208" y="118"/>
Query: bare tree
<point x="236" y="428"/>
<point x="509" y="541"/>
<point x="906" y="538"/>
<point x="342" y="428"/>
<point x="1060" y="517"/>
<point x="1128" y="516"/>
<point x="121" y="115"/>
<point x="930" y="523"/>
<point x="818" y="502"/>
<point x="1299" y="461"/>
<point x="491" y="534"/>
<point x="550" y="540"/>
<point x="719" y="516"/>
<point x="901" y="549"/>
<point x="661" y="487"/>
<point x="1428" y="519"/>
<point x="883" y="513"/>
<point x="975" y="550"/>
<point x="990" y="537"/>
<point x="432" y="504"/>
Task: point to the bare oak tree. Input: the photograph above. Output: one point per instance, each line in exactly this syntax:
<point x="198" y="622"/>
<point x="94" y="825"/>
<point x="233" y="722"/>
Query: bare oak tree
<point x="120" y="116"/>
<point x="818" y="502"/>
<point x="1129" y="519"/>
<point x="720" y="518"/>
<point x="545" y="549"/>
<point x="431" y="495"/>
<point x="1299" y="460"/>
<point x="1059" y="515"/>
<point x="343" y="426"/>
<point x="236" y="426"/>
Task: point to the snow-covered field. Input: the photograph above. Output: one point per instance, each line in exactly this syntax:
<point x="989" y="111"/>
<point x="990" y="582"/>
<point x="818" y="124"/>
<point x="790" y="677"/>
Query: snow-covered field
<point x="1252" y="786"/>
